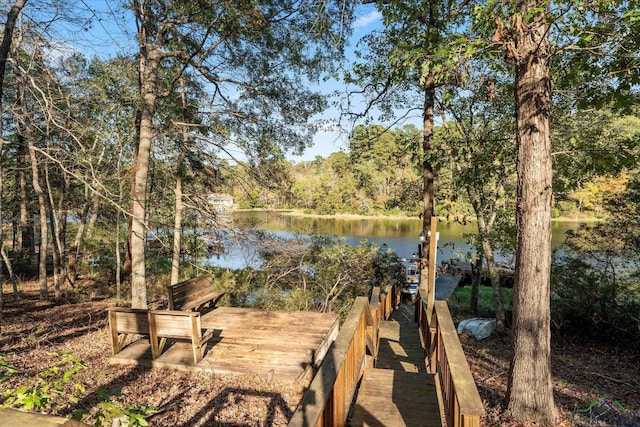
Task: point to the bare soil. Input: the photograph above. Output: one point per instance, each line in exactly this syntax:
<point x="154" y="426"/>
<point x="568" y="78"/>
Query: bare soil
<point x="35" y="334"/>
<point x="583" y="373"/>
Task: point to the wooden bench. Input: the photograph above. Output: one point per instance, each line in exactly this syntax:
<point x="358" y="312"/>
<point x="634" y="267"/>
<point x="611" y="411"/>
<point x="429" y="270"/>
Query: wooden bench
<point x="125" y="321"/>
<point x="182" y="325"/>
<point x="193" y="294"/>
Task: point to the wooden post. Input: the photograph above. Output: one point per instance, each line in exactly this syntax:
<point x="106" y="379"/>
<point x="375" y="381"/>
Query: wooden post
<point x="431" y="284"/>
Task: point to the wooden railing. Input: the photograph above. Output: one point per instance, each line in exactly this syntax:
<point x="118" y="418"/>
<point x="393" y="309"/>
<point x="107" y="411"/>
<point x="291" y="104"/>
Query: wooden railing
<point x="326" y="401"/>
<point x="457" y="391"/>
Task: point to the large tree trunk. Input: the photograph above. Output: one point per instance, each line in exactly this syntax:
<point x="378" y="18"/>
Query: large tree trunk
<point x="530" y="390"/>
<point x="427" y="176"/>
<point x="152" y="57"/>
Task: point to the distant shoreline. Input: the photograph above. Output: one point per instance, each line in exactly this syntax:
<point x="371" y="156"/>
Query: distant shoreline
<point x="301" y="213"/>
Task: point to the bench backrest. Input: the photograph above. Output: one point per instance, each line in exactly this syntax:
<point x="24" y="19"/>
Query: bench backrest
<point x="176" y="324"/>
<point x="190" y="293"/>
<point x="128" y="320"/>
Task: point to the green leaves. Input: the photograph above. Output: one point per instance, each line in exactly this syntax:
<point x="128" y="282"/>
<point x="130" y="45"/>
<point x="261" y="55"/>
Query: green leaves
<point x="49" y="386"/>
<point x="5" y="368"/>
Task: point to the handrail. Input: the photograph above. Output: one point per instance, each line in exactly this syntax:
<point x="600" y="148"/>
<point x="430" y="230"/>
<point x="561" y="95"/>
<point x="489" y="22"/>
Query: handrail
<point x="326" y="402"/>
<point x="458" y="393"/>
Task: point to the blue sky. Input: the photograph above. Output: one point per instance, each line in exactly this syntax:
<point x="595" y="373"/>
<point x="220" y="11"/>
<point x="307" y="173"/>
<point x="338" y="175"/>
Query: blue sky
<point x="107" y="30"/>
<point x="331" y="139"/>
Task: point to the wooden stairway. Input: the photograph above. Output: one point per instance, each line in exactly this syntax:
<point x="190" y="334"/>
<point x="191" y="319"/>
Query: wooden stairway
<point x="398" y="391"/>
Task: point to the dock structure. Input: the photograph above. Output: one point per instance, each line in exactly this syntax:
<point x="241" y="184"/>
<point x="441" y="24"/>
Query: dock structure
<point x="280" y="345"/>
<point x="398" y="391"/>
<point x="402" y="366"/>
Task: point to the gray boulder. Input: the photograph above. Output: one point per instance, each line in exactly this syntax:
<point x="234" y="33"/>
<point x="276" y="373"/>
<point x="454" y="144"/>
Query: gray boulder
<point x="478" y="327"/>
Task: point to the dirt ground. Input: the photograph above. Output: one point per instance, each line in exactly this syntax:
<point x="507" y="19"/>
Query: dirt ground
<point x="584" y="373"/>
<point x="36" y="336"/>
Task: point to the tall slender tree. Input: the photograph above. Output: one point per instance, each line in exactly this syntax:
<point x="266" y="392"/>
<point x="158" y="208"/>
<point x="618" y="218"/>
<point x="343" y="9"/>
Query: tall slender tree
<point x="406" y="63"/>
<point x="5" y="50"/>
<point x="254" y="56"/>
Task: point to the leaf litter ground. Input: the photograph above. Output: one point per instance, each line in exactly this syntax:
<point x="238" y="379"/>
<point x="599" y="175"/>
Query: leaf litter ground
<point x="35" y="334"/>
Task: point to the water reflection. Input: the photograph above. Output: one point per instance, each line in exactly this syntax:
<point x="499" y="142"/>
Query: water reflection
<point x="275" y="221"/>
<point x="398" y="234"/>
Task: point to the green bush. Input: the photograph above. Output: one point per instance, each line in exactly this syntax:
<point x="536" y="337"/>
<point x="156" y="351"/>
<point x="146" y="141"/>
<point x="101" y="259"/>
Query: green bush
<point x="593" y="303"/>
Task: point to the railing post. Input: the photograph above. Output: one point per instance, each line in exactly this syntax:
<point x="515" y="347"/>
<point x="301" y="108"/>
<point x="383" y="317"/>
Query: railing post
<point x="431" y="268"/>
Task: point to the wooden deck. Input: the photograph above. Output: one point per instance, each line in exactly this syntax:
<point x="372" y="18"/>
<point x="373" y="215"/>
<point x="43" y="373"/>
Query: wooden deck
<point x="398" y="391"/>
<point x="285" y="346"/>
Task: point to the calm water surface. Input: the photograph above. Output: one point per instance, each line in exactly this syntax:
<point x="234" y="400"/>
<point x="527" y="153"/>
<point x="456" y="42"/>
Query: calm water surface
<point x="398" y="234"/>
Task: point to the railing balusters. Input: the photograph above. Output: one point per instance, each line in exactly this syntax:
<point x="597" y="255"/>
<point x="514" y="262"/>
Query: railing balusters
<point x="326" y="401"/>
<point x="460" y="398"/>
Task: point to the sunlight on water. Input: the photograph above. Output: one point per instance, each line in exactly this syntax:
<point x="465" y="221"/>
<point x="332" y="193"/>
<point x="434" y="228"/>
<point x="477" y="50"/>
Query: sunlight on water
<point x="400" y="235"/>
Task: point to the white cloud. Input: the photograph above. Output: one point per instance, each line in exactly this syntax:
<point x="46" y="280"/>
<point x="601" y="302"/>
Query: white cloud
<point x="367" y="19"/>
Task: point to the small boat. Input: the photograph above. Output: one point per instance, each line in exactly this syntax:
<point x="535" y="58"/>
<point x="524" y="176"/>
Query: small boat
<point x="412" y="277"/>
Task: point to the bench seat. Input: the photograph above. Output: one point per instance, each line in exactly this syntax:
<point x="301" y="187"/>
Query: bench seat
<point x="194" y="294"/>
<point x="125" y="321"/>
<point x="178" y="325"/>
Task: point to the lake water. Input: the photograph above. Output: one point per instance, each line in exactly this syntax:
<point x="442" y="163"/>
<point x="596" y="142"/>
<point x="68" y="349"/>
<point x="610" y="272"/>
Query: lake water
<point x="398" y="234"/>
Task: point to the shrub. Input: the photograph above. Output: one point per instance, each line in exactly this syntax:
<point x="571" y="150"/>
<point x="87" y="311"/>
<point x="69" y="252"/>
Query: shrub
<point x="594" y="303"/>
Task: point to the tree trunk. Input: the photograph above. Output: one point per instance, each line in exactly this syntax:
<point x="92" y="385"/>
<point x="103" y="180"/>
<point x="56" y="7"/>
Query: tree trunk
<point x="151" y="56"/>
<point x="487" y="248"/>
<point x="484" y="230"/>
<point x="530" y="390"/>
<point x="5" y="46"/>
<point x="427" y="176"/>
<point x="127" y="265"/>
<point x="26" y="237"/>
<point x="74" y="250"/>
<point x="476" y="273"/>
<point x="57" y="215"/>
<point x="177" y="223"/>
<point x="5" y="49"/>
<point x="42" y="205"/>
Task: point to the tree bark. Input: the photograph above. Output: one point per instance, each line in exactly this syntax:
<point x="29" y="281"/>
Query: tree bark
<point x="427" y="175"/>
<point x="530" y="390"/>
<point x="150" y="57"/>
<point x="177" y="223"/>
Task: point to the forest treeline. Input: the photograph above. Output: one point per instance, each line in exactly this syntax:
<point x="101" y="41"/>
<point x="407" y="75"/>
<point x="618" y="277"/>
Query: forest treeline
<point x="380" y="174"/>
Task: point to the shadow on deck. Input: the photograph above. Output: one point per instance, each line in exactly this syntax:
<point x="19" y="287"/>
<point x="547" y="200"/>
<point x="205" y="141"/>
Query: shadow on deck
<point x="398" y="391"/>
<point x="285" y="346"/>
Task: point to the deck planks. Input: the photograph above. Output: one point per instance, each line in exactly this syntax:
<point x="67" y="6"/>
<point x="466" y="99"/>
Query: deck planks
<point x="398" y="392"/>
<point x="285" y="346"/>
<point x="396" y="398"/>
